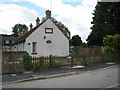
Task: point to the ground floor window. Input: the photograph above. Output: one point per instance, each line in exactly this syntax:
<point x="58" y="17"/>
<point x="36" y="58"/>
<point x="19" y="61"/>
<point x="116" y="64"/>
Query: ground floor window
<point x="34" y="47"/>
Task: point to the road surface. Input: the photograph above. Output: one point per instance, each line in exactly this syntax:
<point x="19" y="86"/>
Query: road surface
<point x="102" y="78"/>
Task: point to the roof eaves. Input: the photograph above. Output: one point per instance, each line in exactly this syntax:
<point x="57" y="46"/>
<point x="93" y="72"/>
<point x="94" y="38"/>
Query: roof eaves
<point x="23" y="38"/>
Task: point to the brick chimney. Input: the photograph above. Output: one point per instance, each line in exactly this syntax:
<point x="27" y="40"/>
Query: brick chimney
<point x="48" y="14"/>
<point x="37" y="21"/>
<point x="31" y="26"/>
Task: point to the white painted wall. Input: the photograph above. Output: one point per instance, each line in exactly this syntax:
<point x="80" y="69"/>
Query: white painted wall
<point x="18" y="47"/>
<point x="14" y="48"/>
<point x="21" y="47"/>
<point x="58" y="47"/>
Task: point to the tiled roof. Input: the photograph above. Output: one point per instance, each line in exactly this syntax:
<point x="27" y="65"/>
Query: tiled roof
<point x="23" y="38"/>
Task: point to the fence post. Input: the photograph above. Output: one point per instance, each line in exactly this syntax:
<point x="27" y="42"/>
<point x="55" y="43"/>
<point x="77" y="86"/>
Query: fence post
<point x="50" y="58"/>
<point x="72" y="60"/>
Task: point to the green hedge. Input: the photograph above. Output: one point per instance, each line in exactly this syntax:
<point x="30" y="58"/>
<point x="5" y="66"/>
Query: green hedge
<point x="27" y="61"/>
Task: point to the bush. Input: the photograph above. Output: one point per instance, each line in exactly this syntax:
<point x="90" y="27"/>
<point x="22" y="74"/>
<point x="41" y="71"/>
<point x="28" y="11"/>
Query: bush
<point x="27" y="61"/>
<point x="40" y="64"/>
<point x="45" y="65"/>
<point x="41" y="56"/>
<point x="112" y="44"/>
<point x="37" y="65"/>
<point x="56" y="64"/>
<point x="7" y="50"/>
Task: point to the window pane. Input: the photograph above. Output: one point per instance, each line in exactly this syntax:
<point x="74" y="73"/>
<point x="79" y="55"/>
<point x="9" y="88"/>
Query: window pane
<point x="10" y="42"/>
<point x="7" y="42"/>
<point x="49" y="30"/>
<point x="34" y="47"/>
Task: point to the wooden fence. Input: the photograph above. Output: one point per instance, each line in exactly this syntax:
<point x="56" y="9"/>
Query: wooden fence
<point x="39" y="63"/>
<point x="87" y="60"/>
<point x="12" y="62"/>
<point x="71" y="61"/>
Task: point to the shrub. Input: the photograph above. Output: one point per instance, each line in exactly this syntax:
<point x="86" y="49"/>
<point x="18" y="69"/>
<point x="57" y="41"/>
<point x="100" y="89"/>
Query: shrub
<point x="45" y="65"/>
<point x="56" y="64"/>
<point x="41" y="56"/>
<point x="27" y="61"/>
<point x="37" y="65"/>
<point x="112" y="44"/>
<point x="7" y="50"/>
<point x="40" y="63"/>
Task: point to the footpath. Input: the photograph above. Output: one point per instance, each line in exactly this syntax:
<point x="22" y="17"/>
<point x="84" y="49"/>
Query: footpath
<point x="51" y="73"/>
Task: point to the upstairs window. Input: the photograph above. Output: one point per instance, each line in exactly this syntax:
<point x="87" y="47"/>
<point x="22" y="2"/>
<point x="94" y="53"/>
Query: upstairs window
<point x="49" y="30"/>
<point x="10" y="42"/>
<point x="7" y="42"/>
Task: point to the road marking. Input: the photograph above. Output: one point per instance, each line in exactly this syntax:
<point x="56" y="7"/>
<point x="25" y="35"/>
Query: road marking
<point x="112" y="86"/>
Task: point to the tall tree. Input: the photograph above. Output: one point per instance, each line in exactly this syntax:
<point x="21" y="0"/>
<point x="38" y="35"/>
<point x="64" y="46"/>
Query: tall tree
<point x="76" y="40"/>
<point x="18" y="28"/>
<point x="61" y="26"/>
<point x="106" y="21"/>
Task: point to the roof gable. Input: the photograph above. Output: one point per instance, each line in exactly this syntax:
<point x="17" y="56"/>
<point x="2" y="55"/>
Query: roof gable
<point x="23" y="38"/>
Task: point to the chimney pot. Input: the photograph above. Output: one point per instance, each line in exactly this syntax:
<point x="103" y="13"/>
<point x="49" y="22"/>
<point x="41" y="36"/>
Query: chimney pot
<point x="31" y="26"/>
<point x="48" y="14"/>
<point x="37" y="21"/>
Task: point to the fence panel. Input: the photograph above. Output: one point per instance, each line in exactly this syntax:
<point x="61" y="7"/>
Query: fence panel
<point x="12" y="62"/>
<point x="40" y="63"/>
<point x="63" y="61"/>
<point x="94" y="59"/>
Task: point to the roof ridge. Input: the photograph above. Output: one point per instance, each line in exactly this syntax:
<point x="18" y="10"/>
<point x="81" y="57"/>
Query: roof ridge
<point x="23" y="37"/>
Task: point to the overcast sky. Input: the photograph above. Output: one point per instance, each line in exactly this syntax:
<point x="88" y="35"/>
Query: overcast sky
<point x="75" y="14"/>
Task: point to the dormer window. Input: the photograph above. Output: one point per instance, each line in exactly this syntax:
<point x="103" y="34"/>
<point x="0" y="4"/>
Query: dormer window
<point x="49" y="30"/>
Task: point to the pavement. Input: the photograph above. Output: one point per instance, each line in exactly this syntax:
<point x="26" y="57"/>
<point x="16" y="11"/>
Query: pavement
<point x="52" y="73"/>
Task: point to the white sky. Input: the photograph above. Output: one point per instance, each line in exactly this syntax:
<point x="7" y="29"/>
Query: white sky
<point x="76" y="14"/>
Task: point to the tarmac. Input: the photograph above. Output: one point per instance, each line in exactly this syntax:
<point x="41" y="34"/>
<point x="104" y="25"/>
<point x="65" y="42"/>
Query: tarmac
<point x="52" y="73"/>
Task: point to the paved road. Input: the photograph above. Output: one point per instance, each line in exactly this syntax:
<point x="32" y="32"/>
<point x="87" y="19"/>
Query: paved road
<point x="103" y="78"/>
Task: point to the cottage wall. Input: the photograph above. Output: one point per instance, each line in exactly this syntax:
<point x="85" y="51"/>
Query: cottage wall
<point x="21" y="47"/>
<point x="14" y="48"/>
<point x="59" y="45"/>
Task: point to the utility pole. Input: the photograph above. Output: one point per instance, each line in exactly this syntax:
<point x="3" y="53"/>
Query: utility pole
<point x="51" y="5"/>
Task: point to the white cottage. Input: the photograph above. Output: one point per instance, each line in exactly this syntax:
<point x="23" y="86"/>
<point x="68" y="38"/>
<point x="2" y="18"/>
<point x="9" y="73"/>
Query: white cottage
<point x="44" y="39"/>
